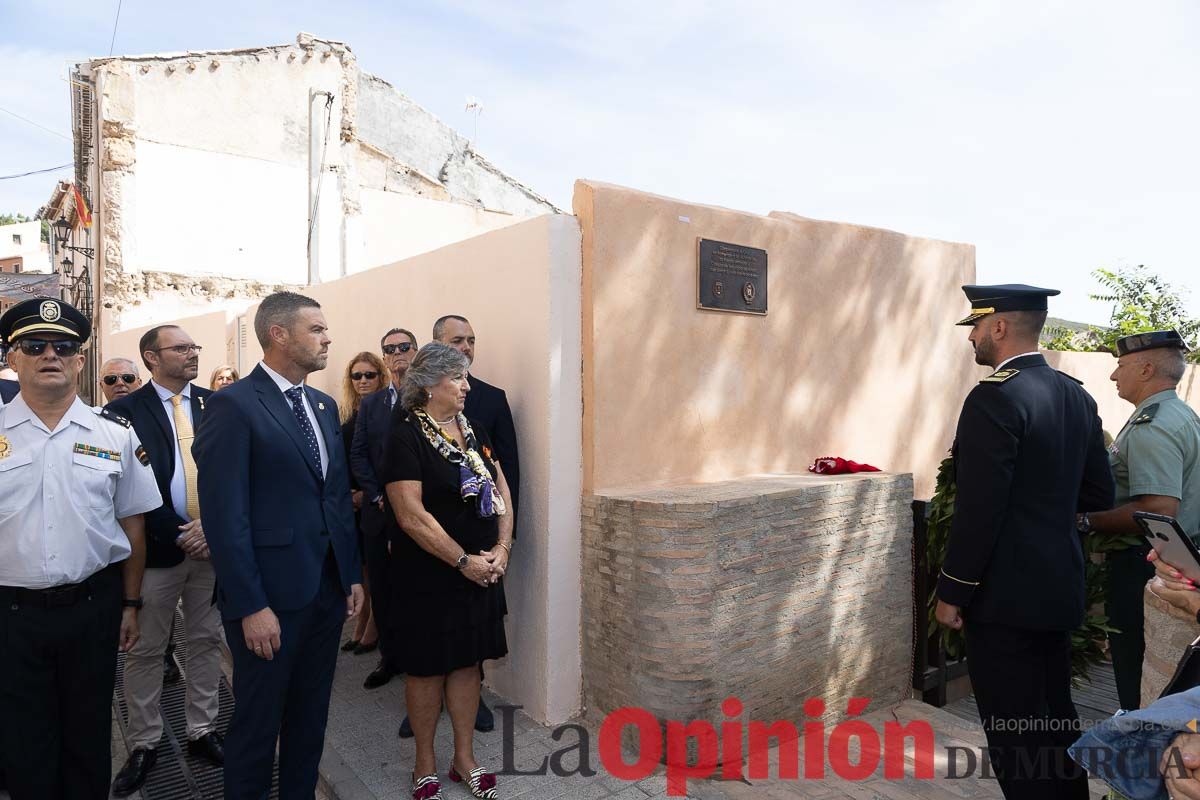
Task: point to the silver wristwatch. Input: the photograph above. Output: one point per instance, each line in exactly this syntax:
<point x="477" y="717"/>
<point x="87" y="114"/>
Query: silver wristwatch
<point x="462" y="562"/>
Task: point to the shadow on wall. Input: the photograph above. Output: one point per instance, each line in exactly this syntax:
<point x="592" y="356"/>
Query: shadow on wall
<point x="858" y="355"/>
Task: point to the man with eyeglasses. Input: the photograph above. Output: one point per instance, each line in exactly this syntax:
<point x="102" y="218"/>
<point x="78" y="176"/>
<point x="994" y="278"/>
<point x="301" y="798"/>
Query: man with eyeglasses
<point x="165" y="414"/>
<point x="118" y="377"/>
<point x="74" y="485"/>
<point x="399" y="346"/>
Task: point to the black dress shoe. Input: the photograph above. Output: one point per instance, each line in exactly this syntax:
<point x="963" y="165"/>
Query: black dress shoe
<point x="171" y="673"/>
<point x="363" y="648"/>
<point x="484" y="721"/>
<point x="133" y="774"/>
<point x="406" y="731"/>
<point x="210" y="747"/>
<point x="379" y="676"/>
<point x="349" y="645"/>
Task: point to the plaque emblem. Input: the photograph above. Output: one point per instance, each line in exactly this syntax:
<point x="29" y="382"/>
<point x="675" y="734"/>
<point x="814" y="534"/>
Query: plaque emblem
<point x="731" y="277"/>
<point x="50" y="311"/>
<point x="5" y="448"/>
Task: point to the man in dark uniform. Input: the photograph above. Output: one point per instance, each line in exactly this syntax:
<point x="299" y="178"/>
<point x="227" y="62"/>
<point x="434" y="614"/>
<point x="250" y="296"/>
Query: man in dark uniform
<point x="74" y="484"/>
<point x="1028" y="455"/>
<point x="1155" y="461"/>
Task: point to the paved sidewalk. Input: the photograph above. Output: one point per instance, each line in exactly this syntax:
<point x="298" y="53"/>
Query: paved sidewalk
<point x="365" y="760"/>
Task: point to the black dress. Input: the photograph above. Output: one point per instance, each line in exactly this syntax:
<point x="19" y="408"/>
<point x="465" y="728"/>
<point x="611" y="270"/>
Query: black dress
<point x="348" y="439"/>
<point x="445" y="621"/>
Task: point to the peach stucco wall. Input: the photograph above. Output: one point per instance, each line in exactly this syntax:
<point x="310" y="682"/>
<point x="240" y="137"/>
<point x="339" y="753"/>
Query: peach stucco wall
<point x="1094" y="370"/>
<point x="857" y="356"/>
<point x="210" y="331"/>
<point x="519" y="286"/>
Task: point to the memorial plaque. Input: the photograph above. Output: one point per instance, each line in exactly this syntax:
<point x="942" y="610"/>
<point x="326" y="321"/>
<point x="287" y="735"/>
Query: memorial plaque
<point x="732" y="277"/>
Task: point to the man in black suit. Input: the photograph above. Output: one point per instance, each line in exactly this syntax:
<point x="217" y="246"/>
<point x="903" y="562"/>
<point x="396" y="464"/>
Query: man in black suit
<point x="488" y="406"/>
<point x="275" y="490"/>
<point x="165" y="413"/>
<point x="374" y="421"/>
<point x="1028" y="455"/>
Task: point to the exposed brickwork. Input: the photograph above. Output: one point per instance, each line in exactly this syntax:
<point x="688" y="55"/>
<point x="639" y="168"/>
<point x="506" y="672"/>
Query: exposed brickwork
<point x="771" y="589"/>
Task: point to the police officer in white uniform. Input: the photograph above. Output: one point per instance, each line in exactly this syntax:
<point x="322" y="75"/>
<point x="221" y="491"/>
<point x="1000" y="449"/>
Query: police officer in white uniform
<point x="74" y="484"/>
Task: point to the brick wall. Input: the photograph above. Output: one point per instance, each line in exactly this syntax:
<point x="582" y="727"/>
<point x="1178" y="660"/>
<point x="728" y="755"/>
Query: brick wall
<point x="772" y="589"/>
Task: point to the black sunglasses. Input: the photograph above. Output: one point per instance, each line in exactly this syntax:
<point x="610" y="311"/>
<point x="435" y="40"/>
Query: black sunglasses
<point x="63" y="347"/>
<point x="358" y="376"/>
<point x="109" y="380"/>
<point x="391" y="349"/>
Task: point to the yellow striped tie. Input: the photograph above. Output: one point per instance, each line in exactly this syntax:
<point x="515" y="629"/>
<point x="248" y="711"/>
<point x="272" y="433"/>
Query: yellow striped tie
<point x="184" y="434"/>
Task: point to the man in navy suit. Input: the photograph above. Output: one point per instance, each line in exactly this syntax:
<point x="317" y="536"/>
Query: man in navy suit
<point x="488" y="406"/>
<point x="8" y="390"/>
<point x="275" y="490"/>
<point x="371" y="430"/>
<point x="165" y="413"/>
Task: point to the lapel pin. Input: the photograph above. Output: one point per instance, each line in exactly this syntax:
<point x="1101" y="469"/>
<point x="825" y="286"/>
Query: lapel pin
<point x="320" y="405"/>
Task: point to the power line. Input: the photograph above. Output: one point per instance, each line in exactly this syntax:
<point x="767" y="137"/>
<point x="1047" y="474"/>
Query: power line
<point x="35" y="124"/>
<point x="115" y="21"/>
<point x="35" y="172"/>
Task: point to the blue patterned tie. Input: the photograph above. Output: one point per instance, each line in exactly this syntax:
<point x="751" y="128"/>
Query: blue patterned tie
<point x="295" y="394"/>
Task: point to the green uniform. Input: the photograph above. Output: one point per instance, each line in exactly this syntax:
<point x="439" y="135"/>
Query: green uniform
<point x="1157" y="452"/>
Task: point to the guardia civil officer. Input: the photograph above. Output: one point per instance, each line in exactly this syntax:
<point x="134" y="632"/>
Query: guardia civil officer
<point x="1156" y="464"/>
<point x="74" y="483"/>
<point x="1028" y="455"/>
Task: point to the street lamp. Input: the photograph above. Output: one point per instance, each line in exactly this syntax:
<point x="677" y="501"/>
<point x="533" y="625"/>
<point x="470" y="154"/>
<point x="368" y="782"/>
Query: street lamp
<point x="62" y="234"/>
<point x="62" y="231"/>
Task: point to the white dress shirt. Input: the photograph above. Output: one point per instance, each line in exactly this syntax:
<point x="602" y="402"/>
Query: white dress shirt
<point x="1014" y="358"/>
<point x="178" y="481"/>
<point x="62" y="492"/>
<point x="284" y="384"/>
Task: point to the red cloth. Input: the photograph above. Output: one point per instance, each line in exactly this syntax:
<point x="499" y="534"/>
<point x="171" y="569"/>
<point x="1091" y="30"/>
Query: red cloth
<point x="833" y="465"/>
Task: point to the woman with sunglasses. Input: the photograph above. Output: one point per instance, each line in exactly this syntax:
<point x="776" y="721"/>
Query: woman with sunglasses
<point x="364" y="374"/>
<point x="118" y="377"/>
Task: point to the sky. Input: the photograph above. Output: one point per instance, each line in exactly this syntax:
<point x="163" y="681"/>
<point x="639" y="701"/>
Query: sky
<point x="1057" y="137"/>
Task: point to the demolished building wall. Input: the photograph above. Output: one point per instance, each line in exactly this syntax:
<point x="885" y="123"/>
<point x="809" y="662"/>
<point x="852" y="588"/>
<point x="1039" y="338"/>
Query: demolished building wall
<point x="222" y="175"/>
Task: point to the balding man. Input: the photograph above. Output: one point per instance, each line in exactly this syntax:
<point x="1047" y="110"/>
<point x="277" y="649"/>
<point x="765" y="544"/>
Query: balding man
<point x="118" y="377"/>
<point x="1155" y="464"/>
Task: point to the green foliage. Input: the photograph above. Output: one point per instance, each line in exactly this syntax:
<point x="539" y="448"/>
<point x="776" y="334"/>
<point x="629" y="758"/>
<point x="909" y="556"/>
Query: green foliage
<point x="1058" y="337"/>
<point x="941" y="513"/>
<point x="1087" y="643"/>
<point x="1142" y="301"/>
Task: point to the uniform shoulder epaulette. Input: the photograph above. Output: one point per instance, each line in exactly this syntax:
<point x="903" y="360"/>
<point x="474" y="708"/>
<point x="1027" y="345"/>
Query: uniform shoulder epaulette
<point x="112" y="416"/>
<point x="1072" y="377"/>
<point x="1000" y="376"/>
<point x="1147" y="414"/>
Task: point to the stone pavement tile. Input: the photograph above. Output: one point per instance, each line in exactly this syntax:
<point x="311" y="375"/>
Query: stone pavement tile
<point x="362" y="736"/>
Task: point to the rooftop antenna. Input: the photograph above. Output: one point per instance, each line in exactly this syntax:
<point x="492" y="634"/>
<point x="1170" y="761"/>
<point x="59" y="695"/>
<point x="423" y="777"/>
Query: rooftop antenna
<point x="476" y="105"/>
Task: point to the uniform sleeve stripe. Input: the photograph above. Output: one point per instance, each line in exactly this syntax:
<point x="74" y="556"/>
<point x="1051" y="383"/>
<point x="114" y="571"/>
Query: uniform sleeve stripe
<point x="959" y="580"/>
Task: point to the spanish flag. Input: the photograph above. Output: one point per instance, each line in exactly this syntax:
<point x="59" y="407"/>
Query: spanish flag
<point x="81" y="208"/>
